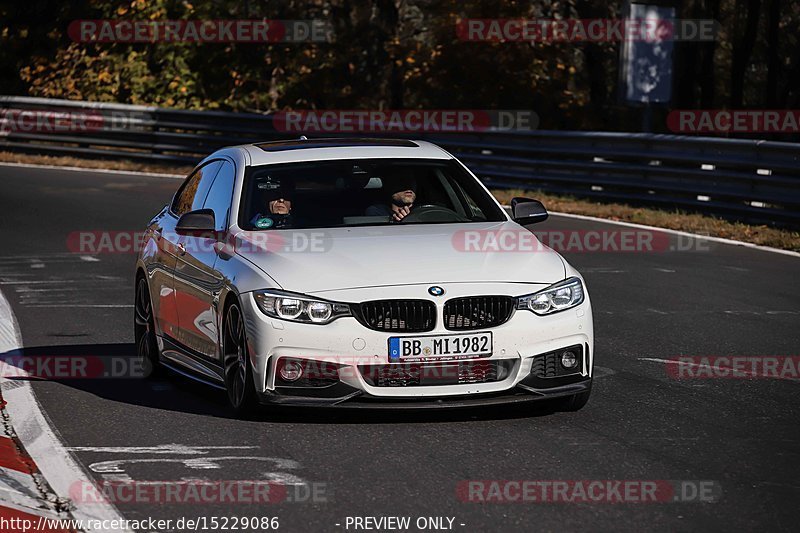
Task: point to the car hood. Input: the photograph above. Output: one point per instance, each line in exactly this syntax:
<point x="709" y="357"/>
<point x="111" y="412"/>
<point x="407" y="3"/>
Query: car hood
<point x="314" y="260"/>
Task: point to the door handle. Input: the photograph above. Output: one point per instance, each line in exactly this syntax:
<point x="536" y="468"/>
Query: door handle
<point x="181" y="248"/>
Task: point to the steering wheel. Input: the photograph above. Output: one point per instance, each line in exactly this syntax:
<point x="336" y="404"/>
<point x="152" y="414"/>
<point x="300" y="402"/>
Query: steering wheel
<point x="433" y="213"/>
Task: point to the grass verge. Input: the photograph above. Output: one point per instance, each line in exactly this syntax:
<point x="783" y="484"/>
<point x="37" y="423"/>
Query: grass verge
<point x="662" y="218"/>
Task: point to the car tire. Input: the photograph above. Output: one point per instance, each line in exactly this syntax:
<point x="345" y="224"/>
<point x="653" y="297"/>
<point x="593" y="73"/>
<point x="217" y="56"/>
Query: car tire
<point x="237" y="370"/>
<point x="144" y="333"/>
<point x="575" y="402"/>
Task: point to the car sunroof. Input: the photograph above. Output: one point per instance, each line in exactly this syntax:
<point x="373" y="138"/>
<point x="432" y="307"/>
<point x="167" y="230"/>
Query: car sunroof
<point x="301" y="144"/>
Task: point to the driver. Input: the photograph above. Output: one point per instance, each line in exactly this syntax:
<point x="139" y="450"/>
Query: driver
<point x="403" y="194"/>
<point x="278" y="212"/>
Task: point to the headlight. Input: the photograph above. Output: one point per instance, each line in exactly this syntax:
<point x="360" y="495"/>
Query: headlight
<point x="563" y="295"/>
<point x="298" y="308"/>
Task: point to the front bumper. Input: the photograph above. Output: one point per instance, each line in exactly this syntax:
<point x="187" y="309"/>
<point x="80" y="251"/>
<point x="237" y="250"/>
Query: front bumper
<point x="354" y="398"/>
<point x="520" y="347"/>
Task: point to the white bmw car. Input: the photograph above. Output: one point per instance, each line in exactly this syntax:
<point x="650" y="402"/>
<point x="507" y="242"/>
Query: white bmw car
<point x="358" y="272"/>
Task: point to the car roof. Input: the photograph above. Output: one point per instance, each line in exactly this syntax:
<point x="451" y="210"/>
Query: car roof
<point x="303" y="149"/>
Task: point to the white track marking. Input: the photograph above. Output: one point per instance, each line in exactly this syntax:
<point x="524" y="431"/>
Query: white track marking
<point x="115" y="469"/>
<point x="98" y="170"/>
<point x="32" y="427"/>
<point x="117" y="478"/>
<point x="206" y="463"/>
<point x="10" y="338"/>
<point x="676" y="232"/>
<point x="666" y="361"/>
<point x="89" y="259"/>
<point x="201" y="463"/>
<point x="162" y="449"/>
<point x="283" y="478"/>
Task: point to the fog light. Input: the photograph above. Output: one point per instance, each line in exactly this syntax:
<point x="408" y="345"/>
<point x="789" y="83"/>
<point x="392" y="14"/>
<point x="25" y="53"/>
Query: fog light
<point x="568" y="360"/>
<point x="291" y="370"/>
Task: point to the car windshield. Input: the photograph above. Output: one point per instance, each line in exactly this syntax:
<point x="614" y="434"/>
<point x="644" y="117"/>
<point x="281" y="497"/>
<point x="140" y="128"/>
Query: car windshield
<point x="342" y="193"/>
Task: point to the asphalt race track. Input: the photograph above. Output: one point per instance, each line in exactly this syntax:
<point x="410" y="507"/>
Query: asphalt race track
<point x="641" y="423"/>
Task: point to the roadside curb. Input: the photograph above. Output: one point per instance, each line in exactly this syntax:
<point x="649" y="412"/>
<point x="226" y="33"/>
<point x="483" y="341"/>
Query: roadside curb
<point x="24" y="493"/>
<point x="16" y="519"/>
<point x="36" y="445"/>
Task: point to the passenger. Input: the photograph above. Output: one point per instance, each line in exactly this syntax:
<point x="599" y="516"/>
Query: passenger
<point x="402" y="195"/>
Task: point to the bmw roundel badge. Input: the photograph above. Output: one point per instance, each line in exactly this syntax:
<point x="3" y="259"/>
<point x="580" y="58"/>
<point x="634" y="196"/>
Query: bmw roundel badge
<point x="435" y="290"/>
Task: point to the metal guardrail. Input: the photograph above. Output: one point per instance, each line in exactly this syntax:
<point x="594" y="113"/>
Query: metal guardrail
<point x="753" y="181"/>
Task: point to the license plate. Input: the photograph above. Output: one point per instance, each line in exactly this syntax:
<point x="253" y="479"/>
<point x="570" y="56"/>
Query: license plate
<point x="440" y="347"/>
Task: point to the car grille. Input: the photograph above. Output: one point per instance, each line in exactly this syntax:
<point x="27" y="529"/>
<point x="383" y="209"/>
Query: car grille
<point x="424" y="374"/>
<point x="477" y="312"/>
<point x="397" y="315"/>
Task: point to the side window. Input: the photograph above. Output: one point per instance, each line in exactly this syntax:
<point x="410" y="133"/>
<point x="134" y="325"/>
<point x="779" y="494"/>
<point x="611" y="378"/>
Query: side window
<point x="220" y="194"/>
<point x="194" y="189"/>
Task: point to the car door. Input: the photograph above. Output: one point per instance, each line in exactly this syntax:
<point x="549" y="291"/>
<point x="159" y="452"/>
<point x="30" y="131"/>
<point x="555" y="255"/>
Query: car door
<point x="162" y="283"/>
<point x="162" y="294"/>
<point x="189" y="197"/>
<point x="197" y="282"/>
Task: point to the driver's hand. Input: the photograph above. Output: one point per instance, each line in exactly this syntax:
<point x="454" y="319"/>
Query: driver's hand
<point x="400" y="212"/>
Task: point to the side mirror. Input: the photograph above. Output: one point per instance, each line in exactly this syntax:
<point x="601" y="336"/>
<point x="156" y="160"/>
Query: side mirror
<point x="527" y="211"/>
<point x="196" y="222"/>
